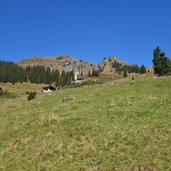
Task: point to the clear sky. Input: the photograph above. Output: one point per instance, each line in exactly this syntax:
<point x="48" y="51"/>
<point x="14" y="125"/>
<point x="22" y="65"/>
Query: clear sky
<point x="86" y="29"/>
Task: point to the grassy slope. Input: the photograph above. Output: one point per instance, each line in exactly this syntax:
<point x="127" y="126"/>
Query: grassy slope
<point x="103" y="127"/>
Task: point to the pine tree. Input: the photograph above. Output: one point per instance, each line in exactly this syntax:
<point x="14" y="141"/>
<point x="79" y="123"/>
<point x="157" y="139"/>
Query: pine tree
<point x="57" y="77"/>
<point x="95" y="73"/>
<point x="63" y="79"/>
<point x="48" y="76"/>
<point x="161" y="62"/>
<point x="89" y="74"/>
<point x="143" y="69"/>
<point x="125" y="73"/>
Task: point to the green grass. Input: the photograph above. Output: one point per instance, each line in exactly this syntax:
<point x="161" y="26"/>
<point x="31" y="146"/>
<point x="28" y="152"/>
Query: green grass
<point x="101" y="127"/>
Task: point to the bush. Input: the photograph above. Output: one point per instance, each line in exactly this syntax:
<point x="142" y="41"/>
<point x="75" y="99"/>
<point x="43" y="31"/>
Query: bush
<point x="3" y="93"/>
<point x="32" y="95"/>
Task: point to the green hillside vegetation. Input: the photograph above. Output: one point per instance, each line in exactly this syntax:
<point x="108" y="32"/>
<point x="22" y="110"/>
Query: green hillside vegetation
<point x="101" y="127"/>
<point x="162" y="64"/>
<point x="61" y="62"/>
<point x="10" y="72"/>
<point x="129" y="68"/>
<point x="6" y="94"/>
<point x="67" y="63"/>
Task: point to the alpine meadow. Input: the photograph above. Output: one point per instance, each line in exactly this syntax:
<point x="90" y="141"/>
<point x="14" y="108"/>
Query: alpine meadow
<point x="113" y="126"/>
<point x="85" y="85"/>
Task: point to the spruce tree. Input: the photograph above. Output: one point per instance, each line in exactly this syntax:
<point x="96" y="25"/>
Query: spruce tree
<point x="48" y="76"/>
<point x="143" y="69"/>
<point x="89" y="74"/>
<point x="125" y="73"/>
<point x="160" y="62"/>
<point x="57" y="77"/>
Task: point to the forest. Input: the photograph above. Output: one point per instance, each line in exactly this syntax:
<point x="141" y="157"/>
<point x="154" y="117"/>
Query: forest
<point x="11" y="72"/>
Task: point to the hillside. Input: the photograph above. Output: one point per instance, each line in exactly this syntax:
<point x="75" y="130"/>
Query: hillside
<point x="61" y="62"/>
<point x="68" y="63"/>
<point x="116" y="126"/>
<point x="107" y="65"/>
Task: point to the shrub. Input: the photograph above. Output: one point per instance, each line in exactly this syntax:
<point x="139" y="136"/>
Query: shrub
<point x="3" y="93"/>
<point x="32" y="95"/>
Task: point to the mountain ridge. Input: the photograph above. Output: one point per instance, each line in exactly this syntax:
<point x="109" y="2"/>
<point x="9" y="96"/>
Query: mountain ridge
<point x="68" y="63"/>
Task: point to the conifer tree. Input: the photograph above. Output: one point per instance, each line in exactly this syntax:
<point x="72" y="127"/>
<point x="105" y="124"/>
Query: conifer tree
<point x="57" y="77"/>
<point x="160" y="62"/>
<point x="125" y="73"/>
<point x="143" y="69"/>
<point x="89" y="74"/>
<point x="48" y="76"/>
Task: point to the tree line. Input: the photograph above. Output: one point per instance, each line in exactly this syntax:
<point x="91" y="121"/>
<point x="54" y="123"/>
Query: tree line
<point x="119" y="68"/>
<point x="11" y="72"/>
<point x="94" y="73"/>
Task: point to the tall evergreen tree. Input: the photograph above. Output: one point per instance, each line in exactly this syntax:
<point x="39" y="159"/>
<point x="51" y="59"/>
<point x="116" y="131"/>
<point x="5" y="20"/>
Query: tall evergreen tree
<point x="48" y="76"/>
<point x="63" y="79"/>
<point x="125" y="73"/>
<point x="57" y="77"/>
<point x="160" y="62"/>
<point x="143" y="69"/>
<point x="89" y="74"/>
<point x="95" y="73"/>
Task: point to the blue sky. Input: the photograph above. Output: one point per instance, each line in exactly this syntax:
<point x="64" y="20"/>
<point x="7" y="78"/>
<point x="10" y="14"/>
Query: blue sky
<point x="86" y="29"/>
